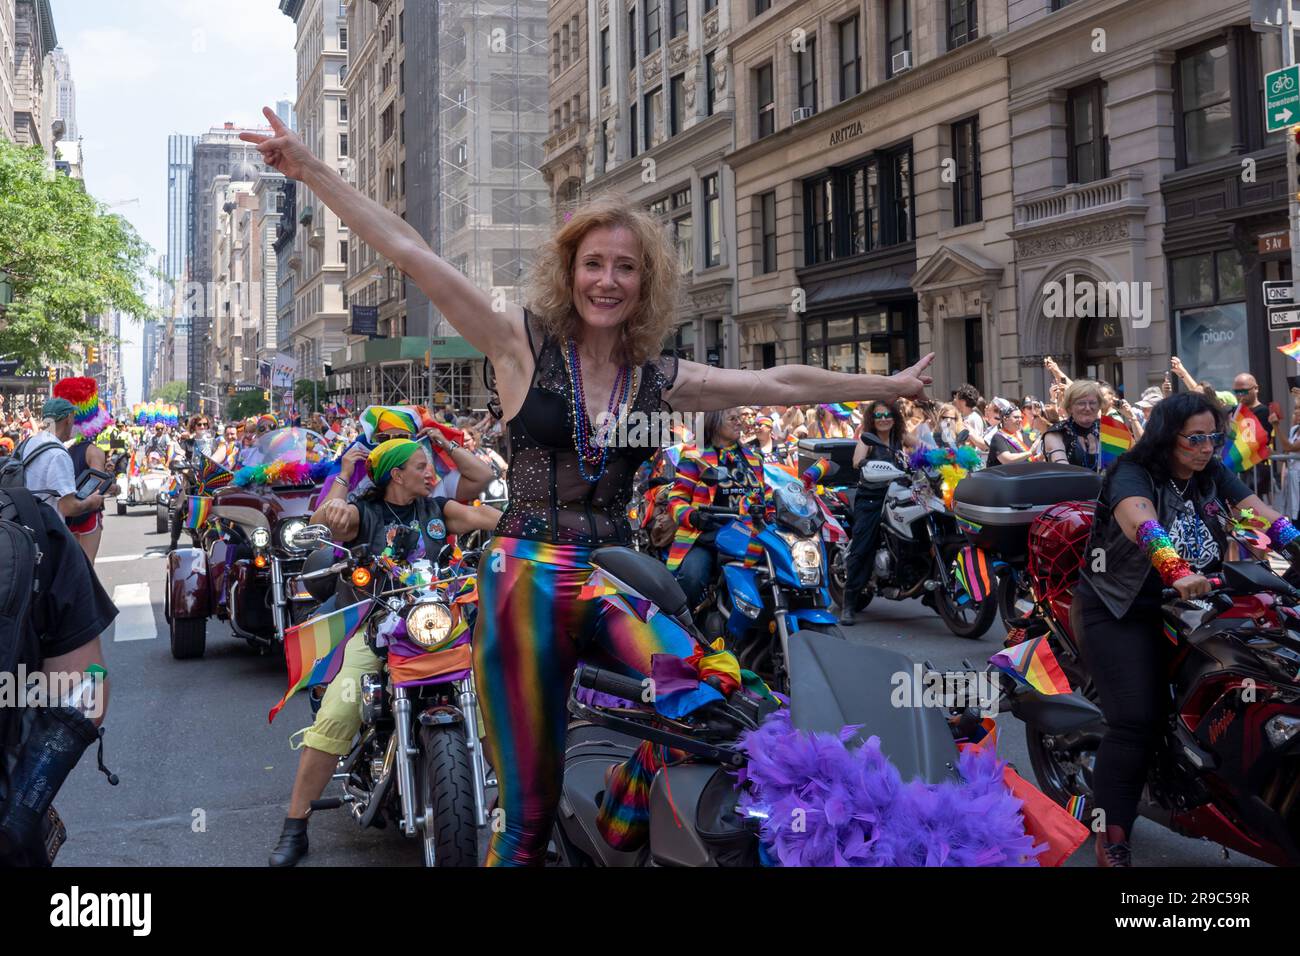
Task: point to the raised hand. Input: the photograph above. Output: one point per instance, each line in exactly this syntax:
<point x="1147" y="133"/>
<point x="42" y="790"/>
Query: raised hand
<point x="282" y="150"/>
<point x="911" y="382"/>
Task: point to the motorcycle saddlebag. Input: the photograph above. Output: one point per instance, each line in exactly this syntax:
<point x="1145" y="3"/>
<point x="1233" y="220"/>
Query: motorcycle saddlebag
<point x="997" y="505"/>
<point x="730" y="840"/>
<point x="838" y="450"/>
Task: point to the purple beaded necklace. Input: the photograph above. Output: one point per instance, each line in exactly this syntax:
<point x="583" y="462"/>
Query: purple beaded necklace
<point x="592" y="454"/>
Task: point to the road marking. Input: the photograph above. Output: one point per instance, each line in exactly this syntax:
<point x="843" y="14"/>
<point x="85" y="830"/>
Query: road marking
<point x="135" y="622"/>
<point x="117" y="558"/>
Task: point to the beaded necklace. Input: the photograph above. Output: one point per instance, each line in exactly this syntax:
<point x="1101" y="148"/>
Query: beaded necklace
<point x="592" y="454"/>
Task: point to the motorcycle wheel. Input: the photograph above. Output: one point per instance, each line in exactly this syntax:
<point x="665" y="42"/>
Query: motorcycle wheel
<point x="967" y="620"/>
<point x="188" y="637"/>
<point x="162" y="517"/>
<point x="446" y="792"/>
<point x="1063" y="766"/>
<point x="830" y="630"/>
<point x="121" y="507"/>
<point x="838" y="578"/>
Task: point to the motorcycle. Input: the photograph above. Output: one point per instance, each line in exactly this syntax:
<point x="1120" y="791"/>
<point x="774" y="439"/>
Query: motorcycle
<point x="692" y="803"/>
<point x="146" y="486"/>
<point x="417" y="761"/>
<point x="919" y="544"/>
<point x="757" y="608"/>
<point x="246" y="554"/>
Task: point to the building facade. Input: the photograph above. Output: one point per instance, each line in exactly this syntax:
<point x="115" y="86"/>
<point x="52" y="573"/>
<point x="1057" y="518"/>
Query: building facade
<point x="319" y="316"/>
<point x="263" y="227"/>
<point x="565" y="149"/>
<point x="64" y="96"/>
<point x="7" y="41"/>
<point x="34" y="39"/>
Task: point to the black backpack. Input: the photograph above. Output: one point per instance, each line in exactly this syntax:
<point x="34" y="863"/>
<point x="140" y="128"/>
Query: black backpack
<point x="13" y="470"/>
<point x="23" y="545"/>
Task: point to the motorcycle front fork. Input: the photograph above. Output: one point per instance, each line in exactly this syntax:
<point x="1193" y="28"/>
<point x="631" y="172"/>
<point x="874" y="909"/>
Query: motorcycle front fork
<point x="277" y="597"/>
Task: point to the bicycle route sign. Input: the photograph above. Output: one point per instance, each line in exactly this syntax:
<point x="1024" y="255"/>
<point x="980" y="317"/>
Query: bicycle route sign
<point x="1282" y="98"/>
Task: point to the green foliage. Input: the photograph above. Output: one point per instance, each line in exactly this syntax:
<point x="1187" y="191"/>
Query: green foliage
<point x="308" y="395"/>
<point x="245" y="404"/>
<point x="173" y="393"/>
<point x="64" y="259"/>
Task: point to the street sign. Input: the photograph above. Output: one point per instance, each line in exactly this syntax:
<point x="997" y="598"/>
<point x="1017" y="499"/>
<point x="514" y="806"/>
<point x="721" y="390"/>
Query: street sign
<point x="1274" y="242"/>
<point x="1282" y="98"/>
<point x="1281" y="317"/>
<point x="1277" y="293"/>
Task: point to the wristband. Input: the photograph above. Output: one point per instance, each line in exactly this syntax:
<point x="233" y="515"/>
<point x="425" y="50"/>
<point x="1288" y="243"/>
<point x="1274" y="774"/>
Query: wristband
<point x="1282" y="532"/>
<point x="1154" y="540"/>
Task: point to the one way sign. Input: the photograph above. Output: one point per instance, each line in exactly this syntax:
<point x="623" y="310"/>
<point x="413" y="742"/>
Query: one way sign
<point x="1282" y="98"/>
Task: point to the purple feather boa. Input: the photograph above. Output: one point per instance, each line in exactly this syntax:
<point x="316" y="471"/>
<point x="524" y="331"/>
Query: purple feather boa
<point x="855" y="810"/>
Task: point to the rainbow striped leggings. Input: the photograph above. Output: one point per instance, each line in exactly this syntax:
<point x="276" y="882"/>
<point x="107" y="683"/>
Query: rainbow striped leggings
<point x="531" y="631"/>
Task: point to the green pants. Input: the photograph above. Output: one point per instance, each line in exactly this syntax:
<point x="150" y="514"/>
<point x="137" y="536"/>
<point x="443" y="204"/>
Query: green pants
<point x="339" y="717"/>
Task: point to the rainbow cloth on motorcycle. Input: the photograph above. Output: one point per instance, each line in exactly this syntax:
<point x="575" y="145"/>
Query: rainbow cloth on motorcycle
<point x="313" y="650"/>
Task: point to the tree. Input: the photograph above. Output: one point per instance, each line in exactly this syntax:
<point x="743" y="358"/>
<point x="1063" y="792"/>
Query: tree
<point x="63" y="258"/>
<point x="245" y="404"/>
<point x="308" y="394"/>
<point x="173" y="393"/>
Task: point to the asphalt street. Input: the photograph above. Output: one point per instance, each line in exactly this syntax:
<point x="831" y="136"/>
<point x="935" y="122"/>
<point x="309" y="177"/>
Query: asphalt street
<point x="205" y="779"/>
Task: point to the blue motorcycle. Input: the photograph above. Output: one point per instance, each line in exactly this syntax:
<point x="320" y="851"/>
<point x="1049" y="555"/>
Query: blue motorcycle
<point x="757" y="604"/>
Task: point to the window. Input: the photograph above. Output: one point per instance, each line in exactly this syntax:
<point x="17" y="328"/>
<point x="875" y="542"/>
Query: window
<point x="555" y="54"/>
<point x="766" y="101"/>
<point x="506" y="267"/>
<point x="879" y="340"/>
<point x="564" y="48"/>
<point x="897" y="221"/>
<point x="961" y="22"/>
<point x="631" y="38"/>
<point x="710" y="5"/>
<point x="683" y="237"/>
<point x="767" y="230"/>
<point x="710" y="86"/>
<point x="762" y="6"/>
<point x="604" y="58"/>
<point x="343" y="251"/>
<point x="850" y="59"/>
<point x="712" y="220"/>
<point x="898" y="32"/>
<point x="966" y="204"/>
<point x="343" y="144"/>
<point x="808" y="74"/>
<point x="858" y="208"/>
<point x="677" y="104"/>
<point x="652" y="38"/>
<point x="386" y="124"/>
<point x="1205" y="92"/>
<point x="676" y="18"/>
<point x="653" y="117"/>
<point x="1087" y="127"/>
<point x="1210" y="321"/>
<point x="1059" y="4"/>
<point x="402" y="180"/>
<point x="343" y="38"/>
<point x="632" y="130"/>
<point x="343" y="109"/>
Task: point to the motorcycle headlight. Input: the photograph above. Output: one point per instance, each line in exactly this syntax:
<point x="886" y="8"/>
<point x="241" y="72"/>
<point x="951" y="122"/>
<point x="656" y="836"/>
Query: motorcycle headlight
<point x="289" y="531"/>
<point x="496" y="489"/>
<point x="806" y="557"/>
<point x="261" y="537"/>
<point x="428" y="624"/>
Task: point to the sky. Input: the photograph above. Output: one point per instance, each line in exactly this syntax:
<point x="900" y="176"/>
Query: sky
<point x="147" y="68"/>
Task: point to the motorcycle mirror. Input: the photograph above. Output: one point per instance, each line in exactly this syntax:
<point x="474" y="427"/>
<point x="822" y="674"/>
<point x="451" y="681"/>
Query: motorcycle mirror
<point x="312" y="533"/>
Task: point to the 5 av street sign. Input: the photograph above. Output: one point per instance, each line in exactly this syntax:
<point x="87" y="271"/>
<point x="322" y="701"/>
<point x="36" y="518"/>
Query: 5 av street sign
<point x="1282" y="98"/>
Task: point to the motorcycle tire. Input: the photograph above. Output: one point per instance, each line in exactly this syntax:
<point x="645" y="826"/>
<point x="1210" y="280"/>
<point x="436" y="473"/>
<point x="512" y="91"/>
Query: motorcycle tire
<point x="189" y="637"/>
<point x="838" y="577"/>
<point x="830" y="630"/>
<point x="121" y="508"/>
<point x="446" y="793"/>
<point x="162" y="517"/>
<point x="970" y="627"/>
<point x="1061" y="780"/>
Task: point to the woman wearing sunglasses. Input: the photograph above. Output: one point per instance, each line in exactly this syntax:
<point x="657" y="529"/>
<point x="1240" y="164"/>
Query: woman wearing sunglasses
<point x="1076" y="439"/>
<point x="1160" y="522"/>
<point x="883" y="438"/>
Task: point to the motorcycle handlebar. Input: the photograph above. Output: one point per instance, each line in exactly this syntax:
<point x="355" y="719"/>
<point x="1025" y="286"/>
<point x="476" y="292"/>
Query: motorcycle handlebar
<point x="1171" y="594"/>
<point x="608" y="682"/>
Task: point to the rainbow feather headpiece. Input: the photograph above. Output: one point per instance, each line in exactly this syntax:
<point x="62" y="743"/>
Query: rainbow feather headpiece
<point x="841" y="410"/>
<point x="952" y="465"/>
<point x="283" y="473"/>
<point x="90" y="417"/>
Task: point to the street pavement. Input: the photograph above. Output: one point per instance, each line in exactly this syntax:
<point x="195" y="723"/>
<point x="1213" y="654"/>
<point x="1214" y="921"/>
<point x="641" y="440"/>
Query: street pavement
<point x="205" y="779"/>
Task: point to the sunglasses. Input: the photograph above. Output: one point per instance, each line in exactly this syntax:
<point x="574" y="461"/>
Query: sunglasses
<point x="1196" y="441"/>
<point x="948" y="418"/>
<point x="882" y="415"/>
<point x="1242" y="391"/>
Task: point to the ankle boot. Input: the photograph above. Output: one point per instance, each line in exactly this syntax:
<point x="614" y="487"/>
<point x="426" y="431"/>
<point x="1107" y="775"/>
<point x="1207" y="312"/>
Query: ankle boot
<point x="848" y="607"/>
<point x="293" y="843"/>
<point x="1113" y="848"/>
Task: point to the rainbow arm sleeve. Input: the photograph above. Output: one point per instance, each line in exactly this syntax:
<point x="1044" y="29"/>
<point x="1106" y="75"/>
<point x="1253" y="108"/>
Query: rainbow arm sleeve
<point x="1282" y="533"/>
<point x="1154" y="540"/>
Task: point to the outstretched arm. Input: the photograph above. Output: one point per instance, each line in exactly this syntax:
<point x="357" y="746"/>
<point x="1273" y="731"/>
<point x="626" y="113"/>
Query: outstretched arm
<point x="703" y="388"/>
<point x="498" y="335"/>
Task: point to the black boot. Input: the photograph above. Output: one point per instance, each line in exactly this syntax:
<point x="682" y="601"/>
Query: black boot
<point x="293" y="843"/>
<point x="848" y="608"/>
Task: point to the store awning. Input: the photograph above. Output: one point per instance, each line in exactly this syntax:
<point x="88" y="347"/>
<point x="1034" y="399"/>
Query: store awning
<point x="875" y="283"/>
<point x="407" y="348"/>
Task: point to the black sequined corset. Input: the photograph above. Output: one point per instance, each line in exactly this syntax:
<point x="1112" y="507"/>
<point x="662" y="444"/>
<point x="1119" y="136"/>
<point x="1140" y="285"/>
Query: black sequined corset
<point x="550" y="500"/>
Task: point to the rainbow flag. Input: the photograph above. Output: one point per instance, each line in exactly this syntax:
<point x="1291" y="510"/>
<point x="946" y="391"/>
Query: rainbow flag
<point x="1074" y="807"/>
<point x="814" y="473"/>
<point x="313" y="650"/>
<point x="198" y="513"/>
<point x="1291" y="350"/>
<point x="210" y="476"/>
<point x="974" y="572"/>
<point x="1115" y="440"/>
<point x="1033" y="663"/>
<point x="1247" y="446"/>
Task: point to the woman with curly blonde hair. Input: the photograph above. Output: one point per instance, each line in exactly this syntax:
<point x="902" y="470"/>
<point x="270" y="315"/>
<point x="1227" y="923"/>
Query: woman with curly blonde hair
<point x="604" y="296"/>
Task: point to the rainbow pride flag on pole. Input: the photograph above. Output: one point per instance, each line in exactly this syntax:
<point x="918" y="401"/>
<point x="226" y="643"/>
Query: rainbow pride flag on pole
<point x="1115" y="440"/>
<point x="313" y="650"/>
<point x="1033" y="663"/>
<point x="1246" y="446"/>
<point x="198" y="513"/>
<point x="1291" y="350"/>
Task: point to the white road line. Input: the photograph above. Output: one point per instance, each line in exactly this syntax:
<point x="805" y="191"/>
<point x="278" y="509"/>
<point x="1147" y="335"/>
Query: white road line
<point x="135" y="620"/>
<point x="117" y="558"/>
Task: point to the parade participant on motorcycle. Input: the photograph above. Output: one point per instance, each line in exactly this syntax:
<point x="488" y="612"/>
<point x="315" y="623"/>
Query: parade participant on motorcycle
<point x="1007" y="445"/>
<point x="89" y="420"/>
<point x="769" y="449"/>
<point x="226" y="452"/>
<point x="396" y="501"/>
<point x="198" y="433"/>
<point x="693" y="558"/>
<point x="1160" y="524"/>
<point x="160" y="443"/>
<point x="883" y="438"/>
<point x="604" y="300"/>
<point x="1076" y="440"/>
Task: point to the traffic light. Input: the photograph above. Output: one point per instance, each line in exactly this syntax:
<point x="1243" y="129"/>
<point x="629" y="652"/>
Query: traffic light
<point x="92" y="355"/>
<point x="266" y="395"/>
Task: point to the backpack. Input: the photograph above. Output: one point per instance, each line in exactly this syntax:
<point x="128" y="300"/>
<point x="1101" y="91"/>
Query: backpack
<point x="13" y="470"/>
<point x="23" y="544"/>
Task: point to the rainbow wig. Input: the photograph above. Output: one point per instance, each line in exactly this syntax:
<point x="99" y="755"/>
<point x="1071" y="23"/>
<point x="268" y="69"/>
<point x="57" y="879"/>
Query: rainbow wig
<point x="90" y="417"/>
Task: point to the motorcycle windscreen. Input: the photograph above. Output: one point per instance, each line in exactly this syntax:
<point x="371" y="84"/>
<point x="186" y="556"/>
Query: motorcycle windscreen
<point x="834" y="683"/>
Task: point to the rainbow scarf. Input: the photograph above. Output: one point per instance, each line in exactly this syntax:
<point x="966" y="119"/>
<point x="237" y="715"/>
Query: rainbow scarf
<point x="1113" y="440"/>
<point x="624" y="816"/>
<point x="1034" y="664"/>
<point x="1248" y="445"/>
<point x="313" y="649"/>
<point x="200" y="510"/>
<point x="688" y="493"/>
<point x="283" y="473"/>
